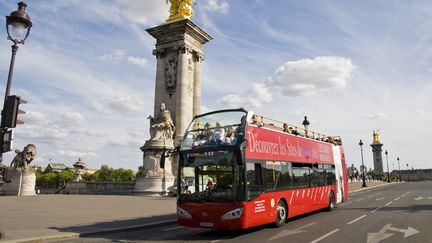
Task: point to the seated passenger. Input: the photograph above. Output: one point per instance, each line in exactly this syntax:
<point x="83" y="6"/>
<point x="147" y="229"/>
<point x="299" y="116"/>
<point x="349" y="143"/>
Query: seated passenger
<point x="218" y="133"/>
<point x="292" y="131"/>
<point x="256" y="122"/>
<point x="207" y="133"/>
<point x="230" y="135"/>
<point x="285" y="128"/>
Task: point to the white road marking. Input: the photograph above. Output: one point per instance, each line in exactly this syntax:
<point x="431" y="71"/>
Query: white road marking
<point x="376" y="209"/>
<point x="381" y="198"/>
<point x="325" y="236"/>
<point x="397" y="198"/>
<point x="357" y="219"/>
<point x="360" y="199"/>
<point x="174" y="228"/>
<point x="389" y="203"/>
<point x="285" y="233"/>
<point x="405" y="194"/>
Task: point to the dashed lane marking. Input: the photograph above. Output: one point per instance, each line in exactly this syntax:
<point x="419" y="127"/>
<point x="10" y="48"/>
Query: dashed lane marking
<point x="357" y="219"/>
<point x="173" y="228"/>
<point x="376" y="209"/>
<point x="325" y="236"/>
<point x="389" y="203"/>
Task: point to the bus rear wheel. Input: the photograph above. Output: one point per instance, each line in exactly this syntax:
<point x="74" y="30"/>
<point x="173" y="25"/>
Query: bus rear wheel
<point x="331" y="204"/>
<point x="281" y="214"/>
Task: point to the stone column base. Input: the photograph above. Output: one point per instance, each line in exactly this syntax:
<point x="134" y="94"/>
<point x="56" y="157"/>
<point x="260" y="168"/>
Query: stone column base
<point x="153" y="186"/>
<point x="22" y="184"/>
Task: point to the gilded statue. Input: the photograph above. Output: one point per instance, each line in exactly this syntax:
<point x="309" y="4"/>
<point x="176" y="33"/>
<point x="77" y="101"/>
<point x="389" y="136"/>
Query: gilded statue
<point x="180" y="9"/>
<point x="376" y="136"/>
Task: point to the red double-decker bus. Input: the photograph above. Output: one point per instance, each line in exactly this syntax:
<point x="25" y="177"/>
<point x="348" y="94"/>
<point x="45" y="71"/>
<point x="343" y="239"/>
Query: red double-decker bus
<point x="239" y="170"/>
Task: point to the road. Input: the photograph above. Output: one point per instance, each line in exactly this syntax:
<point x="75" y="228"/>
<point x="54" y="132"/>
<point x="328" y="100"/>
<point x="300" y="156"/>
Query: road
<point x="400" y="212"/>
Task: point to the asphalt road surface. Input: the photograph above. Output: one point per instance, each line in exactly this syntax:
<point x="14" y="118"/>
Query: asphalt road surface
<point x="395" y="213"/>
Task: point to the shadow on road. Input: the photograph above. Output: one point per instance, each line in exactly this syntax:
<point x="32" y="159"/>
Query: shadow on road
<point x="117" y="225"/>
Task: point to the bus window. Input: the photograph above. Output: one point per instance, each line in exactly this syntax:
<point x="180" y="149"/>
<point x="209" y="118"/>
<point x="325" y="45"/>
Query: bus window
<point x="301" y="175"/>
<point x="272" y="175"/>
<point x="331" y="176"/>
<point x="254" y="180"/>
<point x="285" y="177"/>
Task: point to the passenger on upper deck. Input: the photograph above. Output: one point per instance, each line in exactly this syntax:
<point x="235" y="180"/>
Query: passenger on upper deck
<point x="230" y="135"/>
<point x="285" y="128"/>
<point x="256" y="122"/>
<point x="207" y="133"/>
<point x="219" y="133"/>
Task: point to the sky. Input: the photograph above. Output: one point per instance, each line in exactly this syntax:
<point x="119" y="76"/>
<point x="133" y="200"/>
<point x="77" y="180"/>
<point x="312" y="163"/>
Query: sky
<point x="352" y="67"/>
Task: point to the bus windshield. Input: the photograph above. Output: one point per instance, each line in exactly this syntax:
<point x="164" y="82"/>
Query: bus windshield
<point x="209" y="176"/>
<point x="214" y="129"/>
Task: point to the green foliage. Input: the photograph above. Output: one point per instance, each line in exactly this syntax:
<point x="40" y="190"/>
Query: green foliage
<point x="53" y="179"/>
<point x="108" y="174"/>
<point x="104" y="174"/>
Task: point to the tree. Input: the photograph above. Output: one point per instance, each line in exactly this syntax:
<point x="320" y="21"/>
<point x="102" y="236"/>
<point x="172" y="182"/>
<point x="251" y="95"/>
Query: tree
<point x="108" y="174"/>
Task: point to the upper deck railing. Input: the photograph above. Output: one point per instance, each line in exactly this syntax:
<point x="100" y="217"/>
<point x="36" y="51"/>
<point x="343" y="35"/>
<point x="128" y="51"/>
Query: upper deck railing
<point x="263" y="121"/>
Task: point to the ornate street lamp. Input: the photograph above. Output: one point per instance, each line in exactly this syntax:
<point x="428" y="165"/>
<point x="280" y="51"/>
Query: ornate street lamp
<point x="400" y="175"/>
<point x="18" y="27"/>
<point x="388" y="171"/>
<point x="306" y="124"/>
<point x="363" y="168"/>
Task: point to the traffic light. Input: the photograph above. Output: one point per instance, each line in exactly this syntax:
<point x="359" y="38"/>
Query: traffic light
<point x="11" y="111"/>
<point x="7" y="141"/>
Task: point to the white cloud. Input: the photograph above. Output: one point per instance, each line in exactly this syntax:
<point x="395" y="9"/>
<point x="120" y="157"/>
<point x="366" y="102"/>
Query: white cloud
<point x="310" y="76"/>
<point x="139" y="61"/>
<point x="254" y="98"/>
<point x="116" y="56"/>
<point x="375" y="116"/>
<point x="305" y="77"/>
<point x="71" y="118"/>
<point x="124" y="104"/>
<point x="144" y="12"/>
<point x="419" y="112"/>
<point x="217" y="6"/>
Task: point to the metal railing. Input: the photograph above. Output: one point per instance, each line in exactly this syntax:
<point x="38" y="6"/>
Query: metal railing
<point x="263" y="121"/>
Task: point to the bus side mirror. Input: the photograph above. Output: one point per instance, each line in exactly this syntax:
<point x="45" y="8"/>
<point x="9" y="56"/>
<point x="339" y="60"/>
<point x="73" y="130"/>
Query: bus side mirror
<point x="241" y="153"/>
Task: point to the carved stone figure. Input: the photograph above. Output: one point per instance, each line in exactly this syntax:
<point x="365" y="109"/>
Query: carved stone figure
<point x="171" y="74"/>
<point x="162" y="127"/>
<point x="151" y="164"/>
<point x="376" y="136"/>
<point x="23" y="158"/>
<point x="180" y="9"/>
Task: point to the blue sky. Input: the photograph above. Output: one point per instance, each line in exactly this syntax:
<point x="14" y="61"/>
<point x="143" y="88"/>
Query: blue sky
<point x="351" y="66"/>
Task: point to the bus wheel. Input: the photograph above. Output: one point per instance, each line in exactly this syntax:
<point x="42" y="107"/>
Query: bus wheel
<point x="281" y="214"/>
<point x="331" y="204"/>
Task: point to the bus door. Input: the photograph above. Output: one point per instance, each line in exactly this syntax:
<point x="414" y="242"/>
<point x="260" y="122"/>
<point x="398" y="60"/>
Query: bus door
<point x="338" y="173"/>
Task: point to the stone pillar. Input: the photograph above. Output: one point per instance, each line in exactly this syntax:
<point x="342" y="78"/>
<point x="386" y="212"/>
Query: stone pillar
<point x="377" y="159"/>
<point x="22" y="183"/>
<point x="179" y="53"/>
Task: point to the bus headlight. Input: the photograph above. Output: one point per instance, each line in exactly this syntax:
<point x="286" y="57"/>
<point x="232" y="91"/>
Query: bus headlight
<point x="233" y="214"/>
<point x="183" y="213"/>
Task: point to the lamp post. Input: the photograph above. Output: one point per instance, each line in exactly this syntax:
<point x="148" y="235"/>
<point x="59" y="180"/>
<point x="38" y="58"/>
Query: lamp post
<point x="363" y="168"/>
<point x="400" y="175"/>
<point x="18" y="27"/>
<point x="306" y="124"/>
<point x="388" y="171"/>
